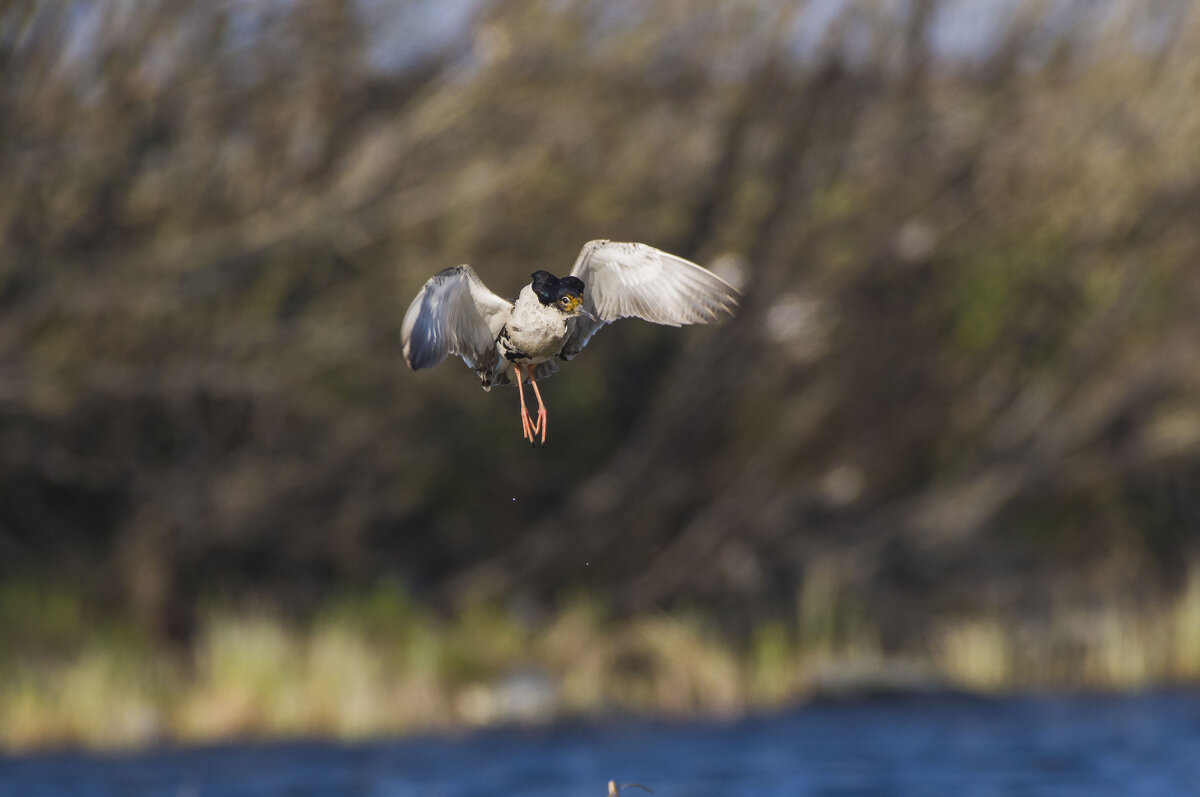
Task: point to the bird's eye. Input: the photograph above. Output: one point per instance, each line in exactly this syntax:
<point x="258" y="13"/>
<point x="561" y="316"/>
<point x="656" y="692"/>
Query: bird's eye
<point x="565" y="300"/>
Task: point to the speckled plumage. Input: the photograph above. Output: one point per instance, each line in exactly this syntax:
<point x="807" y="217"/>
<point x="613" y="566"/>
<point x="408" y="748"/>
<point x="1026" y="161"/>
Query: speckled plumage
<point x="537" y="330"/>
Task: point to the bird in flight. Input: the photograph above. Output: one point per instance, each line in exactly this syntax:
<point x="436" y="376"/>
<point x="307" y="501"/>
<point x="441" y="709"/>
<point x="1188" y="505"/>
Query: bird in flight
<point x="553" y="318"/>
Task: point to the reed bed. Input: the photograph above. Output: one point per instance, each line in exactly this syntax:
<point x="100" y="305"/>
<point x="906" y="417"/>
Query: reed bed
<point x="381" y="665"/>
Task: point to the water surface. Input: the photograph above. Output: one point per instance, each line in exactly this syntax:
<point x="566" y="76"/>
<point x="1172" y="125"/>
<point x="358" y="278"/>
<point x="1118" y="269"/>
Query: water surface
<point x="1082" y="745"/>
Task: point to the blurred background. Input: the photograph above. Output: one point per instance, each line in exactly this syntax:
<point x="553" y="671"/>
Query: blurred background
<point x="951" y="440"/>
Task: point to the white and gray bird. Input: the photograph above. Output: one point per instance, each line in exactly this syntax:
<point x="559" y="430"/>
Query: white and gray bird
<point x="553" y="318"/>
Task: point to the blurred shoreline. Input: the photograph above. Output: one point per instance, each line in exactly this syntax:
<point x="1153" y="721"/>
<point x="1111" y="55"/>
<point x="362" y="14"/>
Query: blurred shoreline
<point x="380" y="665"/>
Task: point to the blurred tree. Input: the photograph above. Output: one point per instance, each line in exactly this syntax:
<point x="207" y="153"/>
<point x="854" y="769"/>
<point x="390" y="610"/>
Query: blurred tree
<point x="967" y="357"/>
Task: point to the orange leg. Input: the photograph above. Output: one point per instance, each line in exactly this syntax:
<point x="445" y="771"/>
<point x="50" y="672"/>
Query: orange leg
<point x="542" y="420"/>
<point x="527" y="427"/>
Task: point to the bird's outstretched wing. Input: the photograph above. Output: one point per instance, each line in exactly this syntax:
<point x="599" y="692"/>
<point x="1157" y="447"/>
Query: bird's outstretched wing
<point x="623" y="280"/>
<point x="454" y="313"/>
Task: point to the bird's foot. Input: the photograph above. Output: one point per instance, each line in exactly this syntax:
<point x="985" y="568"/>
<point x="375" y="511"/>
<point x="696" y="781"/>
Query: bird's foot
<point x="541" y="413"/>
<point x="527" y="427"/>
<point x="530" y="428"/>
<point x="533" y="427"/>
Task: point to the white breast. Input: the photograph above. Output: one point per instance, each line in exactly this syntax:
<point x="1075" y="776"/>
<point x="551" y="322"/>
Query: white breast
<point x="536" y="330"/>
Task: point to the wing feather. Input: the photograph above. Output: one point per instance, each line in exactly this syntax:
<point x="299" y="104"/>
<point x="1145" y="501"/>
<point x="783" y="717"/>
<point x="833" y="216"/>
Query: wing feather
<point x="625" y="279"/>
<point x="454" y="313"/>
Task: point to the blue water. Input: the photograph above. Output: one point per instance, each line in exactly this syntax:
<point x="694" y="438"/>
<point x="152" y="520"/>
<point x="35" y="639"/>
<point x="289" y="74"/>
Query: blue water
<point x="1128" y="746"/>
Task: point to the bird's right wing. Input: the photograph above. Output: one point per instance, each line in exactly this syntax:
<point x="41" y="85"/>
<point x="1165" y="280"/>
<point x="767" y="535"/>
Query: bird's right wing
<point x="632" y="280"/>
<point x="454" y="313"/>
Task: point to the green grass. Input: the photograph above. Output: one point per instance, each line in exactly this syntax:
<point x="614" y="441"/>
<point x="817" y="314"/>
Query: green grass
<point x="381" y="664"/>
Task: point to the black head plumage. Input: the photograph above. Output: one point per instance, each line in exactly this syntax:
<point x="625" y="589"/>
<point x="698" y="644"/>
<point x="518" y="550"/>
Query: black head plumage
<point x="550" y="289"/>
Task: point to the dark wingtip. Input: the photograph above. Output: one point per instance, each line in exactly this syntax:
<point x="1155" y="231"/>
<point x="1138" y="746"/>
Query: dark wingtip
<point x="420" y="350"/>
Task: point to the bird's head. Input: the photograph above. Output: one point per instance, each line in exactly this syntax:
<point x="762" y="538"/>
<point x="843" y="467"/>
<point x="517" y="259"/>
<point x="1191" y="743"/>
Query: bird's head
<point x="565" y="294"/>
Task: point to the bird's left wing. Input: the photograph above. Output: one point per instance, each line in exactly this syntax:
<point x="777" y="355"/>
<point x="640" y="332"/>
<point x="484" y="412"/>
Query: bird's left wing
<point x="624" y="280"/>
<point x="454" y="313"/>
